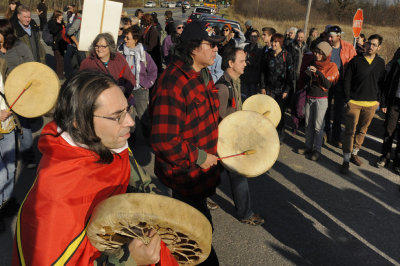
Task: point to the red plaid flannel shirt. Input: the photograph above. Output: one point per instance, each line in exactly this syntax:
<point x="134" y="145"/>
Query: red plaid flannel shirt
<point x="184" y="120"/>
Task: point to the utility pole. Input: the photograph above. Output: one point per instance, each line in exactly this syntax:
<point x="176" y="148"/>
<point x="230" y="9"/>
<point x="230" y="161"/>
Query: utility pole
<point x="307" y="16"/>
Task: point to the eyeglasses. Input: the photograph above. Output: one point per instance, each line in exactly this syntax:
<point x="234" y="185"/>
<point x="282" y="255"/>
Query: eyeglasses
<point x="211" y="44"/>
<point x="121" y="116"/>
<point x="180" y="27"/>
<point x="97" y="47"/>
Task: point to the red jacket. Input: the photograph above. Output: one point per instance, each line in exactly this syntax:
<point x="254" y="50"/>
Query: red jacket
<point x="118" y="68"/>
<point x="347" y="52"/>
<point x="185" y="119"/>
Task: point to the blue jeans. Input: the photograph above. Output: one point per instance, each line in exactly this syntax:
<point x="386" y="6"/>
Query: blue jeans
<point x="7" y="166"/>
<point x="25" y="139"/>
<point x="314" y="114"/>
<point x="241" y="195"/>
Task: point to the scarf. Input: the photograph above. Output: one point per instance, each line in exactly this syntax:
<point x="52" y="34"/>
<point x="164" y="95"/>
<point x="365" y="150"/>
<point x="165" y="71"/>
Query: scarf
<point x="328" y="69"/>
<point x="134" y="56"/>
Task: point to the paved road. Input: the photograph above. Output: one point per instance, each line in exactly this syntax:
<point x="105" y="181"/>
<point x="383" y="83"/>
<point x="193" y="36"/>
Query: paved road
<point x="314" y="215"/>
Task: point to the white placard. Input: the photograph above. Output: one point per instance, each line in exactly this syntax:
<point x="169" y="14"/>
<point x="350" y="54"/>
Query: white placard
<point x="91" y="21"/>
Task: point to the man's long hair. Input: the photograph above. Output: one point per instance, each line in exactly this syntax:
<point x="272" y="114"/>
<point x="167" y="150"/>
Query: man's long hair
<point x="184" y="50"/>
<point x="75" y="108"/>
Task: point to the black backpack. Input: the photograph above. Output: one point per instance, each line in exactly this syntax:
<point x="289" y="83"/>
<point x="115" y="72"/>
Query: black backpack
<point x="47" y="36"/>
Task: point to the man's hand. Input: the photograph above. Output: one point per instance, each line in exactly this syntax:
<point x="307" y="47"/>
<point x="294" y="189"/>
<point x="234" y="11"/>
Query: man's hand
<point x="4" y="114"/>
<point x="384" y="110"/>
<point x="146" y="254"/>
<point x="263" y="91"/>
<point x="284" y="95"/>
<point x="210" y="161"/>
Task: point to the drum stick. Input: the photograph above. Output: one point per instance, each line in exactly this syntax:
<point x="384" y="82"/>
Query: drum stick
<point x="248" y="152"/>
<point x="22" y="92"/>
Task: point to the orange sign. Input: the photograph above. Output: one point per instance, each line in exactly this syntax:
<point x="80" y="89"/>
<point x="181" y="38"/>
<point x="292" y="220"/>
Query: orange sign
<point x="357" y="23"/>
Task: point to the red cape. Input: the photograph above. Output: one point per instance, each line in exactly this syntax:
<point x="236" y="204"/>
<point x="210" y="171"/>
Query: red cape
<point x="51" y="225"/>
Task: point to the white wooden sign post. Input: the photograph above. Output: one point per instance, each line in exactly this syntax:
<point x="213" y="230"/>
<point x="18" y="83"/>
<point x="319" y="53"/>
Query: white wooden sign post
<point x="99" y="16"/>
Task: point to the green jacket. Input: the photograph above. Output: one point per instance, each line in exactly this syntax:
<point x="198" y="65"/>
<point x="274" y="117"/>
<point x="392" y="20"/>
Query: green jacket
<point x="23" y="36"/>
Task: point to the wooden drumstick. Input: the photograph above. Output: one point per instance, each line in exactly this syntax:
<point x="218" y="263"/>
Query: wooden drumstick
<point x="248" y="152"/>
<point x="22" y="92"/>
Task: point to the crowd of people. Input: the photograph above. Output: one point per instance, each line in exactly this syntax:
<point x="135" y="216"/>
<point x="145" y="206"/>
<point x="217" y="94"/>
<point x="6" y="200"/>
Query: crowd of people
<point x="181" y="81"/>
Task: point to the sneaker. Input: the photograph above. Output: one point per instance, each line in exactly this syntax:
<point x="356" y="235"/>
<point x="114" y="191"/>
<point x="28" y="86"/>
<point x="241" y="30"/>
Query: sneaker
<point x="382" y="162"/>
<point x="315" y="156"/>
<point x="304" y="151"/>
<point x="345" y="168"/>
<point x="255" y="219"/>
<point x="211" y="205"/>
<point x="356" y="160"/>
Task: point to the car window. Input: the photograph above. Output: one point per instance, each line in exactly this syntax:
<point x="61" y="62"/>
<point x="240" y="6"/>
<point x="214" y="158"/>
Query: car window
<point x="203" y="10"/>
<point x="220" y="24"/>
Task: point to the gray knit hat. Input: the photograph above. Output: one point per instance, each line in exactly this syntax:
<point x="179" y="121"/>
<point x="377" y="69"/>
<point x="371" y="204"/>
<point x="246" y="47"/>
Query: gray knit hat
<point x="248" y="23"/>
<point x="325" y="47"/>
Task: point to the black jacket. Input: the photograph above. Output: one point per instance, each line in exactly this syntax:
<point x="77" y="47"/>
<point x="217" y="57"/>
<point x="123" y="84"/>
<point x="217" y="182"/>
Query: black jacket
<point x="392" y="80"/>
<point x="252" y="72"/>
<point x="56" y="30"/>
<point x="364" y="81"/>
<point x="277" y="72"/>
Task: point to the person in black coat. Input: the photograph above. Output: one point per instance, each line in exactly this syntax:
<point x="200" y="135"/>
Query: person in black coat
<point x="56" y="26"/>
<point x="391" y="106"/>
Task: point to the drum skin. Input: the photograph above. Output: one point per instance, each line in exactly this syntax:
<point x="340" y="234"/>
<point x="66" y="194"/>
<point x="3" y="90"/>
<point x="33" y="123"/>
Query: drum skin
<point x="265" y="105"/>
<point x="118" y="219"/>
<point x="40" y="97"/>
<point x="248" y="130"/>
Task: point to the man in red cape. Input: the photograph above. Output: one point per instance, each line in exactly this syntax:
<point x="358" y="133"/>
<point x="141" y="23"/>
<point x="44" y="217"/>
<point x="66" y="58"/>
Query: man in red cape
<point x="85" y="160"/>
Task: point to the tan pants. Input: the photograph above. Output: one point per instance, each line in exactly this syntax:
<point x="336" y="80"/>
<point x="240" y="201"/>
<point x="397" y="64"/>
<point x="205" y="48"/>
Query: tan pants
<point x="356" y="120"/>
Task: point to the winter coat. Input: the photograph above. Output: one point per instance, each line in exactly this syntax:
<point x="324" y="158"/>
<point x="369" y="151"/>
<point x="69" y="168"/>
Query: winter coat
<point x="56" y="30"/>
<point x="23" y="36"/>
<point x="118" y="68"/>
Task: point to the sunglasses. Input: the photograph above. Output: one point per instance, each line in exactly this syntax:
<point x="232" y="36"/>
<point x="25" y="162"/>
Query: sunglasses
<point x="121" y="28"/>
<point x="182" y="27"/>
<point x="212" y="44"/>
<point x="226" y="29"/>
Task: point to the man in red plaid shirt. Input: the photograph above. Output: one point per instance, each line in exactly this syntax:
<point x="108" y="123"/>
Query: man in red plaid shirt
<point x="185" y="115"/>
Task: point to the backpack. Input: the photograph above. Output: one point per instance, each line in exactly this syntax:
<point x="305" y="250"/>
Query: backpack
<point x="231" y="99"/>
<point x="47" y="36"/>
<point x="64" y="36"/>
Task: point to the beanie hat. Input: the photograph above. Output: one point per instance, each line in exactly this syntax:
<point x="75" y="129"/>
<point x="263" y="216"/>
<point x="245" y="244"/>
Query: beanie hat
<point x="325" y="47"/>
<point x="228" y="26"/>
<point x="248" y="23"/>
